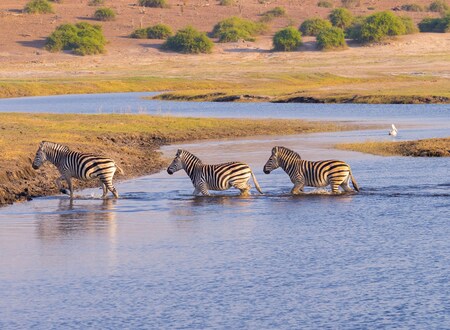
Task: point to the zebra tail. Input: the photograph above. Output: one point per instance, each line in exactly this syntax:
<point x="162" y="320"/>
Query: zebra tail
<point x="354" y="183"/>
<point x="256" y="183"/>
<point x="120" y="169"/>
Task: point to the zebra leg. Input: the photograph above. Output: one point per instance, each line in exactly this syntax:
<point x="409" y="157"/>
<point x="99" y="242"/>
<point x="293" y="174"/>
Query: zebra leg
<point x="69" y="183"/>
<point x="297" y="189"/>
<point x="345" y="185"/>
<point x="59" y="185"/>
<point x="109" y="186"/>
<point x="105" y="190"/>
<point x="335" y="187"/>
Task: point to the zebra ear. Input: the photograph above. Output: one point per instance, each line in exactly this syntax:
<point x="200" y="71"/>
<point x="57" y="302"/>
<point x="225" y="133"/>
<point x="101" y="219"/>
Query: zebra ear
<point x="274" y="150"/>
<point x="179" y="152"/>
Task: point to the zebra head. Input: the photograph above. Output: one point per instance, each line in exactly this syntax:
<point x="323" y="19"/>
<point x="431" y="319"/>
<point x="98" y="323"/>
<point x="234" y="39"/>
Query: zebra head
<point x="176" y="164"/>
<point x="40" y="157"/>
<point x="272" y="162"/>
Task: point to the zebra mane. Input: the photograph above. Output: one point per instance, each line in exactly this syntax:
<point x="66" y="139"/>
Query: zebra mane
<point x="47" y="145"/>
<point x="187" y="154"/>
<point x="286" y="152"/>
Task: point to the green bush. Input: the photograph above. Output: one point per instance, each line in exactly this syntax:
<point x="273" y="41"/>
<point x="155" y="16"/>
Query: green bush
<point x="234" y="28"/>
<point x="190" y="41"/>
<point x="271" y="14"/>
<point x="312" y="27"/>
<point x="410" y="27"/>
<point x="435" y="24"/>
<point x="331" y="38"/>
<point x="378" y="26"/>
<point x="287" y="39"/>
<point x="438" y="6"/>
<point x="158" y="31"/>
<point x="351" y="3"/>
<point x="38" y="7"/>
<point x="153" y="3"/>
<point x="81" y="38"/>
<point x="96" y="2"/>
<point x="354" y="30"/>
<point x="341" y="18"/>
<point x="412" y="7"/>
<point x="325" y="4"/>
<point x="105" y="14"/>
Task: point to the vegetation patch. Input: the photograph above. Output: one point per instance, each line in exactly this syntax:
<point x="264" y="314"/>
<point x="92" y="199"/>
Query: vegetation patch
<point x="435" y="24"/>
<point x="235" y="28"/>
<point x="411" y="7"/>
<point x="105" y="14"/>
<point x="325" y="4"/>
<point x="439" y="147"/>
<point x="341" y="18"/>
<point x="351" y="3"/>
<point x="96" y="2"/>
<point x="158" y="31"/>
<point x="273" y="13"/>
<point x="81" y="38"/>
<point x="154" y="3"/>
<point x="331" y="38"/>
<point x="287" y="39"/>
<point x="312" y="27"/>
<point x="189" y="41"/>
<point x="378" y="27"/>
<point x="227" y="2"/>
<point x="438" y="6"/>
<point x="38" y="7"/>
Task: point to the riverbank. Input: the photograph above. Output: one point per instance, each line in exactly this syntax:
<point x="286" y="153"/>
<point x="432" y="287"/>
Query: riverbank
<point x="132" y="141"/>
<point x="439" y="147"/>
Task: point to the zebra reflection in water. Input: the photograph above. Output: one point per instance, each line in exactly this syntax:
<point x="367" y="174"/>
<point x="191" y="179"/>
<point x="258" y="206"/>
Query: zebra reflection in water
<point x="213" y="177"/>
<point x="307" y="173"/>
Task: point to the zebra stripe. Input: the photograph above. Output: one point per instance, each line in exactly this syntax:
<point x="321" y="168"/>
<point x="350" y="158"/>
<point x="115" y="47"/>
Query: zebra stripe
<point x="308" y="173"/>
<point x="213" y="177"/>
<point x="73" y="164"/>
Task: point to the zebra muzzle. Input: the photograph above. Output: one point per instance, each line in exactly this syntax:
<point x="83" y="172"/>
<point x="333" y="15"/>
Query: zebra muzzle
<point x="169" y="171"/>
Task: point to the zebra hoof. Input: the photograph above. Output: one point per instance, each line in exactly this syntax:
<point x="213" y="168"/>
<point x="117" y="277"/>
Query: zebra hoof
<point x="64" y="191"/>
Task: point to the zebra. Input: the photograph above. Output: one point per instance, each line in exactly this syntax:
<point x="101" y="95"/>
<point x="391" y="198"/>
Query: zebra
<point x="307" y="173"/>
<point x="73" y="164"/>
<point x="213" y="177"/>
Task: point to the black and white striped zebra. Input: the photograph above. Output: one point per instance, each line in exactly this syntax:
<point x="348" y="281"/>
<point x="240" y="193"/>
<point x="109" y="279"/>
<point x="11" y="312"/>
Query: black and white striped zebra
<point x="213" y="177"/>
<point x="308" y="173"/>
<point x="73" y="164"/>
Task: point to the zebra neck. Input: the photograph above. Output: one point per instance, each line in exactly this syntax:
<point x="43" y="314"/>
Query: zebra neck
<point x="288" y="166"/>
<point x="190" y="167"/>
<point x="55" y="156"/>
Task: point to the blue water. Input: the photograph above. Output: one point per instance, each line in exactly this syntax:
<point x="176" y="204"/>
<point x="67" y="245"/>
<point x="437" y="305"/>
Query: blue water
<point x="160" y="258"/>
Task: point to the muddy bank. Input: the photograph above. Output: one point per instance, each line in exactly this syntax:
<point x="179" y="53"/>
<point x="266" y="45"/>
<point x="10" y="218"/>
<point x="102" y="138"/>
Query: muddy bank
<point x="369" y="99"/>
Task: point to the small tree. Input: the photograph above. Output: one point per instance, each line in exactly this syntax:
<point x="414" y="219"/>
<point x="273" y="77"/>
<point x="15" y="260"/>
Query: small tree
<point x="287" y="39"/>
<point x="410" y="27"/>
<point x="105" y="14"/>
<point x="312" y="27"/>
<point x="435" y="24"/>
<point x="38" y="7"/>
<point x="341" y="18"/>
<point x="271" y="14"/>
<point x="331" y="38"/>
<point x="153" y="3"/>
<point x="189" y="41"/>
<point x="158" y="31"/>
<point x="233" y="29"/>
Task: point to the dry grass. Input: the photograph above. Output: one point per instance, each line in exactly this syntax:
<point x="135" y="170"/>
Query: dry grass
<point x="439" y="147"/>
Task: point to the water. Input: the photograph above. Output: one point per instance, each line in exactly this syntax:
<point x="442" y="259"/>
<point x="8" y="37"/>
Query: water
<point x="162" y="258"/>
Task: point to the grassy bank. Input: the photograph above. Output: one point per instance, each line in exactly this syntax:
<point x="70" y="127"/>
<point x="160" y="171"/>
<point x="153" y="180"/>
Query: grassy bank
<point x="439" y="147"/>
<point x="131" y="140"/>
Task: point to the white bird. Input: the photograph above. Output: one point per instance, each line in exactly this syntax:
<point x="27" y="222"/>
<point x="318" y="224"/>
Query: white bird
<point x="393" y="131"/>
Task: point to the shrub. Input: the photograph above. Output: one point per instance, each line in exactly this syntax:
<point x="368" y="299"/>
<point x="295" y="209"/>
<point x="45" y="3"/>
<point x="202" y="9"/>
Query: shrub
<point x="341" y="18"/>
<point x="105" y="14"/>
<point x="438" y="6"/>
<point x="312" y="27"/>
<point x="153" y="3"/>
<point x="189" y="40"/>
<point x="354" y="30"/>
<point x="410" y="27"/>
<point x="331" y="38"/>
<point x="435" y="24"/>
<point x="378" y="26"/>
<point x="38" y="7"/>
<point x="271" y="14"/>
<point x="158" y="31"/>
<point x="96" y="2"/>
<point x="234" y="28"/>
<point x="324" y="4"/>
<point x="82" y="39"/>
<point x="227" y="2"/>
<point x="411" y="7"/>
<point x="351" y="3"/>
<point x="287" y="39"/>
